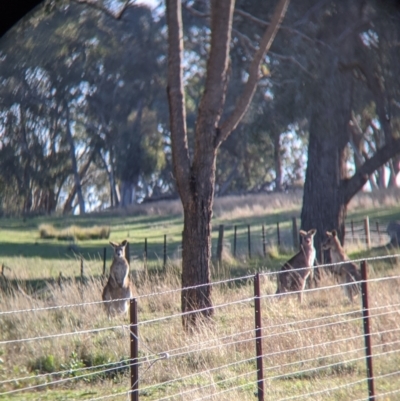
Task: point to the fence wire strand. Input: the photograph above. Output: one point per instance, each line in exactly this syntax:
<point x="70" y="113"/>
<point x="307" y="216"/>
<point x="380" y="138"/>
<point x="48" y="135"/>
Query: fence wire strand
<point x="220" y="342"/>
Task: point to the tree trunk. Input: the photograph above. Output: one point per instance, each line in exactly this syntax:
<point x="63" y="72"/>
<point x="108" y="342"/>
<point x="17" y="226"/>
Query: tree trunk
<point x="324" y="207"/>
<point x="327" y="189"/>
<point x="196" y="181"/>
<point x="77" y="180"/>
<point x="323" y="204"/>
<point x="68" y="203"/>
<point x="394" y="171"/>
<point x="277" y="162"/>
<point x="196" y="256"/>
<point x="127" y="193"/>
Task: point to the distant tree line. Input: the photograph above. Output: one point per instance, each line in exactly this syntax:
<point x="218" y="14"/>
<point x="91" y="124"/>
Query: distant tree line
<point x="84" y="119"/>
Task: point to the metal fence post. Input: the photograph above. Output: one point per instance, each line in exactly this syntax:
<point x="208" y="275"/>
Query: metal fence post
<point x="278" y="233"/>
<point x="146" y="272"/>
<point x="249" y="240"/>
<point x="165" y="252"/>
<point x="367" y="232"/>
<point x="258" y="329"/>
<point x="367" y="335"/>
<point x="234" y="241"/>
<point x="128" y="254"/>
<point x="379" y="232"/>
<point x="82" y="270"/>
<point x="295" y="234"/>
<point x="263" y="241"/>
<point x="134" y="350"/>
<point x="220" y="245"/>
<point x="104" y="260"/>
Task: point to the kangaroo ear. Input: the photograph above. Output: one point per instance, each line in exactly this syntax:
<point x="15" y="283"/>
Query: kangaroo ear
<point x="334" y="233"/>
<point x="302" y="233"/>
<point x="113" y="244"/>
<point x="328" y="233"/>
<point x="312" y="232"/>
<point x="124" y="243"/>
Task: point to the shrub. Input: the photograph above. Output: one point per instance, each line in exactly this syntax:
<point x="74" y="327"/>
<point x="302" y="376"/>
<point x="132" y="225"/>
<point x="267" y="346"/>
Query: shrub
<point x="44" y="364"/>
<point x="72" y="233"/>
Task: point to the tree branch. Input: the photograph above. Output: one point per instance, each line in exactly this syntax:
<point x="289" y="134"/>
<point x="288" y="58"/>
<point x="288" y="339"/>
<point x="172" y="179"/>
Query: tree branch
<point x="265" y="24"/>
<point x="176" y="98"/>
<point x="292" y="60"/>
<point x="101" y="7"/>
<point x="244" y="101"/>
<point x="351" y="186"/>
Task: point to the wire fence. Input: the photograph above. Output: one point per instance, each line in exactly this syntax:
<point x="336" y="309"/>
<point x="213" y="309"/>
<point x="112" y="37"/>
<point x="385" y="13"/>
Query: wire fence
<point x="256" y="343"/>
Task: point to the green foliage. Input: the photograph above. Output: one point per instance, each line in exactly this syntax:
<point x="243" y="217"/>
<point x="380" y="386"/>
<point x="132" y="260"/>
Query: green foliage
<point x="45" y="364"/>
<point x="73" y="365"/>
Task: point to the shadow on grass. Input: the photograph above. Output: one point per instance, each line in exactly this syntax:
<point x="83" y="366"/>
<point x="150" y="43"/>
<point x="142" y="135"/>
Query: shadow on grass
<point x="40" y="285"/>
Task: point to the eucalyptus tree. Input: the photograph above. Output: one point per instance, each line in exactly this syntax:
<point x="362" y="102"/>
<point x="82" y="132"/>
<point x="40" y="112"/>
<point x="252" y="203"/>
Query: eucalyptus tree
<point x="127" y="105"/>
<point x="95" y="86"/>
<point x="195" y="174"/>
<point x="345" y="32"/>
<point x="42" y="64"/>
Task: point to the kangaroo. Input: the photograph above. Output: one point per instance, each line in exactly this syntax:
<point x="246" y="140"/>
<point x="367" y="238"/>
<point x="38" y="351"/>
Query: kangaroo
<point x="118" y="285"/>
<point x="294" y="273"/>
<point x="345" y="273"/>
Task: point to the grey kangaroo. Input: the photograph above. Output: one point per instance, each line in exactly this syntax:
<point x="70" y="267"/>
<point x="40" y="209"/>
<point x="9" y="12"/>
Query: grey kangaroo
<point x="345" y="273"/>
<point x="294" y="273"/>
<point x="118" y="285"/>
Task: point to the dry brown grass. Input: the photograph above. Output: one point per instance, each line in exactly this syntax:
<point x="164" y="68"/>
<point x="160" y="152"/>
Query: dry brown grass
<point x="305" y="357"/>
<point x="238" y="206"/>
<point x="72" y="233"/>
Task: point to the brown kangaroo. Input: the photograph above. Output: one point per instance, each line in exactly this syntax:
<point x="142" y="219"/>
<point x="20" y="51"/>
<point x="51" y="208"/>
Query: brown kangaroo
<point x="345" y="273"/>
<point x="294" y="273"/>
<point x="118" y="285"/>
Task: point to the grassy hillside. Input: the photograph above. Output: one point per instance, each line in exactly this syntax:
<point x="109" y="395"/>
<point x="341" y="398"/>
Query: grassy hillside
<point x="228" y="341"/>
<point x="26" y="254"/>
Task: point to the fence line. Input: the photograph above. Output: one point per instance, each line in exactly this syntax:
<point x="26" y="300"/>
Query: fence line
<point x="50" y="336"/>
<point x="231" y="340"/>
<point x="146" y="360"/>
<point x="242" y="278"/>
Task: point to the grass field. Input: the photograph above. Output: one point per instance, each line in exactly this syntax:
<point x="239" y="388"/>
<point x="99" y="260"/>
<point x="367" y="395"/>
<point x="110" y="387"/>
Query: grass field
<point x="295" y="362"/>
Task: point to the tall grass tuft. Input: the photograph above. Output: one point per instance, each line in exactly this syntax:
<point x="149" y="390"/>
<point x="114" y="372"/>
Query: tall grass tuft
<point x="72" y="233"/>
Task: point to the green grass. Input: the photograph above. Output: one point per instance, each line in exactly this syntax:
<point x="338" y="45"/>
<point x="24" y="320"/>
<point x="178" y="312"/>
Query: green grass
<point x="35" y="264"/>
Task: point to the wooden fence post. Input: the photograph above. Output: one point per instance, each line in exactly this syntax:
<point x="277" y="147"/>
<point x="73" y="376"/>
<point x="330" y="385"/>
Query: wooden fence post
<point x="134" y="350"/>
<point x="258" y="329"/>
<point x="295" y="234"/>
<point x="367" y="335"/>
<point x="367" y="233"/>
<point x="352" y="231"/>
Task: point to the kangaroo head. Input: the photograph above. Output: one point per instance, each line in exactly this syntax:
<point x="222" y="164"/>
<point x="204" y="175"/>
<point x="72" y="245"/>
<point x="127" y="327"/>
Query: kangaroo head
<point x="307" y="237"/>
<point x="332" y="241"/>
<point x="119" y="249"/>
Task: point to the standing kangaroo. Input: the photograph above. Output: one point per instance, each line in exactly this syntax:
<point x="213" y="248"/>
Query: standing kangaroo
<point x="346" y="273"/>
<point x="294" y="273"/>
<point x="118" y="285"/>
